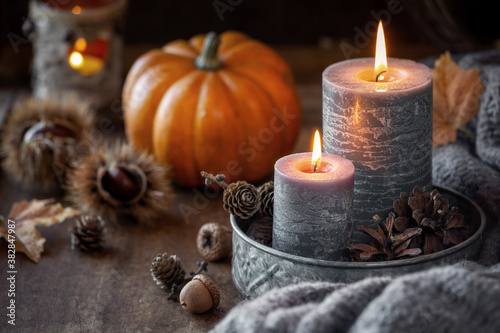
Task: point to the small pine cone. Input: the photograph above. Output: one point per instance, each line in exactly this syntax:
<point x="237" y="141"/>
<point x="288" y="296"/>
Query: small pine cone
<point x="87" y="234"/>
<point x="266" y="192"/>
<point x="241" y="199"/>
<point x="214" y="241"/>
<point x="167" y="270"/>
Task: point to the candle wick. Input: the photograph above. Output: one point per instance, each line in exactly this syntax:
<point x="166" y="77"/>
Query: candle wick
<point x="376" y="77"/>
<point x="316" y="164"/>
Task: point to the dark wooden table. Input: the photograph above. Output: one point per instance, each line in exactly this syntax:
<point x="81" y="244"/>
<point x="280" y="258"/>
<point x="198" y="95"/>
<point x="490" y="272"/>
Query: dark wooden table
<point x="69" y="291"/>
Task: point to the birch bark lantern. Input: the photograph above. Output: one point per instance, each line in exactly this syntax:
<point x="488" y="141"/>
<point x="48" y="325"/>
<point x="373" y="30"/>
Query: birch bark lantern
<point x="313" y="199"/>
<point x="380" y="117"/>
<point x="77" y="46"/>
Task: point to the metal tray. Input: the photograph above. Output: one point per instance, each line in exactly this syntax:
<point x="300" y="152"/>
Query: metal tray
<point x="257" y="268"/>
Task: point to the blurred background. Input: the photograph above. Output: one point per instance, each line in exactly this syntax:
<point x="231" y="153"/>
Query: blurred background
<point x="310" y="35"/>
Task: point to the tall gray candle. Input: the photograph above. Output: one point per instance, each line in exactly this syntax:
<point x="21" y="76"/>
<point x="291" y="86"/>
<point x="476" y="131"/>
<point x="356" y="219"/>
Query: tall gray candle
<point x="384" y="128"/>
<point x="313" y="209"/>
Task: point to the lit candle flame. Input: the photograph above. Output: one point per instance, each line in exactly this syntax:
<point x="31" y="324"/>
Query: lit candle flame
<point x="380" y="54"/>
<point x="76" y="59"/>
<point x="316" y="155"/>
<point x="80" y="44"/>
<point x="86" y="57"/>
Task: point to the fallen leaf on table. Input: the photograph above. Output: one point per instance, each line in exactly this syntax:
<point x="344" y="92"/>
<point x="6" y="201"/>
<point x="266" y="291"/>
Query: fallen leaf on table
<point x="456" y="94"/>
<point x="29" y="214"/>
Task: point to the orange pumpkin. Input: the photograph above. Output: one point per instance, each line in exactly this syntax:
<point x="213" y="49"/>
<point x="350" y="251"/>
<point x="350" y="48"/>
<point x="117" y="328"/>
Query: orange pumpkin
<point x="224" y="105"/>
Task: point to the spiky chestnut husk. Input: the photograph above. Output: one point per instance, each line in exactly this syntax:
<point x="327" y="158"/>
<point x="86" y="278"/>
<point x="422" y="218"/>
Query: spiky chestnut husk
<point x="117" y="179"/>
<point x="42" y="136"/>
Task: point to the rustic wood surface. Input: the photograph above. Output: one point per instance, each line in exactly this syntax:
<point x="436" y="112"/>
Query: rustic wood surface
<point x="69" y="291"/>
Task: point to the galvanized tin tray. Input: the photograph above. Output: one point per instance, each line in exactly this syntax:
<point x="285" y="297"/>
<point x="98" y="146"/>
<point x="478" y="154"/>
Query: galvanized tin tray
<point x="257" y="268"/>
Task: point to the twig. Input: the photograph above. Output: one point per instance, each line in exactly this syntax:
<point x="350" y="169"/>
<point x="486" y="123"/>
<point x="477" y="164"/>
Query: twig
<point x="174" y="293"/>
<point x="219" y="179"/>
<point x="202" y="266"/>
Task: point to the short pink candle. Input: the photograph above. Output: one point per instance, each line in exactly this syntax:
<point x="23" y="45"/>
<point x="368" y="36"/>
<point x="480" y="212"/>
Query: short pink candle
<point x="313" y="210"/>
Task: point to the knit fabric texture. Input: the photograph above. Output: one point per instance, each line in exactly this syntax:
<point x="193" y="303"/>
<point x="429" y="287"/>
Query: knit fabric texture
<point x="461" y="298"/>
<point x="472" y="167"/>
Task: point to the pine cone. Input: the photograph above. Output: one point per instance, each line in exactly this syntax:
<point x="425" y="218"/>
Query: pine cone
<point x="441" y="230"/>
<point x="241" y="199"/>
<point x="87" y="234"/>
<point x="385" y="244"/>
<point x="167" y="270"/>
<point x="266" y="192"/>
<point x="424" y="211"/>
<point x="428" y="211"/>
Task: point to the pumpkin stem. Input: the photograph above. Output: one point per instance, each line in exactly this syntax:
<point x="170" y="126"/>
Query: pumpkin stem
<point x="207" y="60"/>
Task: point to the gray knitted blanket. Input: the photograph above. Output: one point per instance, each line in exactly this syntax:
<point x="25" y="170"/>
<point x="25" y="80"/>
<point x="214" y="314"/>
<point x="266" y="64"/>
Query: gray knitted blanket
<point x="460" y="298"/>
<point x="472" y="167"/>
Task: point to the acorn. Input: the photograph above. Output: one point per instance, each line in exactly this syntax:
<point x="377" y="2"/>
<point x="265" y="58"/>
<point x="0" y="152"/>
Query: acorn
<point x="214" y="241"/>
<point x="199" y="295"/>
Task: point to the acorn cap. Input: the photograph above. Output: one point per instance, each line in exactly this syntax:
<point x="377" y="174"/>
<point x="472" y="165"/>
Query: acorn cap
<point x="199" y="295"/>
<point x="212" y="289"/>
<point x="214" y="241"/>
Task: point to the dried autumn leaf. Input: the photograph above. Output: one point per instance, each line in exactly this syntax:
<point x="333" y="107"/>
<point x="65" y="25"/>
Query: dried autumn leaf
<point x="456" y="94"/>
<point x="29" y="214"/>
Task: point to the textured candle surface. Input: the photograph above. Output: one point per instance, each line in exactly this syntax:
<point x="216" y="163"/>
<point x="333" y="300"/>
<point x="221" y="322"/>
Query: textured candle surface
<point x="384" y="128"/>
<point x="313" y="211"/>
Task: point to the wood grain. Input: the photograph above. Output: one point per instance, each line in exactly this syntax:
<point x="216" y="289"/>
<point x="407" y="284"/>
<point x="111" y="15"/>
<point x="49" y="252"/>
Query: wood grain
<point x="70" y="291"/>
